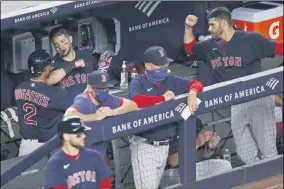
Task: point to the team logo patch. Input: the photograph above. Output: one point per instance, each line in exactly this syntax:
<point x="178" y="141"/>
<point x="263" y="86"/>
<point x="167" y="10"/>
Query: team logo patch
<point x="161" y="52"/>
<point x="104" y="78"/>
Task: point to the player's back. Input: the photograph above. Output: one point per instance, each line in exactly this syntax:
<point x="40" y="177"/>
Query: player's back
<point x="40" y="107"/>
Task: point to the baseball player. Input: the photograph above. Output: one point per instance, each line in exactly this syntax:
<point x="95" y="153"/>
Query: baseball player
<point x="40" y="106"/>
<point x="95" y="103"/>
<point x="231" y="54"/>
<point x="71" y="68"/>
<point x="149" y="149"/>
<point x="74" y="166"/>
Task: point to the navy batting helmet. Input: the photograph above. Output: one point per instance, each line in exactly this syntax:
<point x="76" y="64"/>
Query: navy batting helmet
<point x="37" y="61"/>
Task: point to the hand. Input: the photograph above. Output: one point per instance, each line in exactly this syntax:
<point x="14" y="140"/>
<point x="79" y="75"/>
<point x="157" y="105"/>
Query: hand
<point x="192" y="101"/>
<point x="191" y="20"/>
<point x="214" y="141"/>
<point x="100" y="115"/>
<point x="79" y="63"/>
<point x="105" y="110"/>
<point x="169" y="95"/>
<point x="106" y="56"/>
<point x="203" y="137"/>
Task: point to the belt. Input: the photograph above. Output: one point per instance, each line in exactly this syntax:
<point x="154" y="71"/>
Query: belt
<point x="157" y="143"/>
<point x="38" y="140"/>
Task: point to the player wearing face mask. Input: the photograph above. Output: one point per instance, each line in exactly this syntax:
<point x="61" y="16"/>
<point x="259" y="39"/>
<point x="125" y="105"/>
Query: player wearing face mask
<point x="150" y="149"/>
<point x="95" y="103"/>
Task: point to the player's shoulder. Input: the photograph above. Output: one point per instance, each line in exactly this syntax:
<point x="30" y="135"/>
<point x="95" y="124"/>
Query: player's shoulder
<point x="247" y="35"/>
<point x="81" y="96"/>
<point x="56" y="159"/>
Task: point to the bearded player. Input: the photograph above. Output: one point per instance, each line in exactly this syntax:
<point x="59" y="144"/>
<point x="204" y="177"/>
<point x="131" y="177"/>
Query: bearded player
<point x="232" y="54"/>
<point x="75" y="166"/>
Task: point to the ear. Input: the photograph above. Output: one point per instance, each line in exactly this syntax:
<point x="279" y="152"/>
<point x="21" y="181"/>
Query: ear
<point x="224" y="24"/>
<point x="148" y="66"/>
<point x="71" y="38"/>
<point x="66" y="136"/>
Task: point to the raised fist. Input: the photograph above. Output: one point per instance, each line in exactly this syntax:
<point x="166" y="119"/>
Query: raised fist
<point x="191" y="20"/>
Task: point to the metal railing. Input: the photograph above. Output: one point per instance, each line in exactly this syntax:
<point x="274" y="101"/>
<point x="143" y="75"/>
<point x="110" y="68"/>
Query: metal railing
<point x="111" y="128"/>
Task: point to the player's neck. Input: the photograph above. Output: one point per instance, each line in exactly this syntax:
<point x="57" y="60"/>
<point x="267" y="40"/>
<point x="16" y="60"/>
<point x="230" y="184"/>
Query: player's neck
<point x="71" y="56"/>
<point x="70" y="150"/>
<point x="228" y="35"/>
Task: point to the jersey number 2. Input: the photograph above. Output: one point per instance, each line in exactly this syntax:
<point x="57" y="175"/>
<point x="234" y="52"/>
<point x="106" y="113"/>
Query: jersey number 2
<point x="30" y="110"/>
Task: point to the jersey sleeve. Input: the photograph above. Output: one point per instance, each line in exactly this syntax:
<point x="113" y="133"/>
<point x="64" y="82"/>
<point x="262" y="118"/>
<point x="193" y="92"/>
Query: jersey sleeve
<point x="116" y="101"/>
<point x="135" y="88"/>
<point x="54" y="175"/>
<point x="60" y="99"/>
<point x="181" y="85"/>
<point x="83" y="105"/>
<point x="102" y="169"/>
<point x="262" y="47"/>
<point x="199" y="50"/>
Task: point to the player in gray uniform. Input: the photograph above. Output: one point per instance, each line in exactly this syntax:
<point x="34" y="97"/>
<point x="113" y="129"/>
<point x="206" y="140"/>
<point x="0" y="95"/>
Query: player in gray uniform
<point x="231" y="54"/>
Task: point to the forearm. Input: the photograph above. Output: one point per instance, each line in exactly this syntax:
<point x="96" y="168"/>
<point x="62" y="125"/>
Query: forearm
<point x="85" y="117"/>
<point x="125" y="108"/>
<point x="56" y="76"/>
<point x="145" y="100"/>
<point x="188" y="35"/>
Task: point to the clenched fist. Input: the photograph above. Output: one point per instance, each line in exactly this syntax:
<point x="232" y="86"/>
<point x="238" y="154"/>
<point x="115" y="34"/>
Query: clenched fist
<point x="191" y="20"/>
<point x="79" y="63"/>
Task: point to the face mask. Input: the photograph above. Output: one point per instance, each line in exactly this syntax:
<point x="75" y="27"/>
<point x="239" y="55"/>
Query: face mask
<point x="101" y="95"/>
<point x="157" y="75"/>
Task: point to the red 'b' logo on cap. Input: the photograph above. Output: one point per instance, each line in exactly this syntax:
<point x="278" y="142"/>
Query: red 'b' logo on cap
<point x="104" y="79"/>
<point x="161" y="52"/>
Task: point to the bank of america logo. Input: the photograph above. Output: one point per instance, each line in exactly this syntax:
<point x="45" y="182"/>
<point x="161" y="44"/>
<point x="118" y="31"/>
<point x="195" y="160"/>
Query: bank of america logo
<point x="180" y="107"/>
<point x="272" y="83"/>
<point x="147" y="7"/>
<point x="53" y="10"/>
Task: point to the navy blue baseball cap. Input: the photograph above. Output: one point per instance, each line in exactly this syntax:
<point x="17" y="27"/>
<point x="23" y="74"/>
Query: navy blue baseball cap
<point x="156" y="55"/>
<point x="99" y="80"/>
<point x="71" y="125"/>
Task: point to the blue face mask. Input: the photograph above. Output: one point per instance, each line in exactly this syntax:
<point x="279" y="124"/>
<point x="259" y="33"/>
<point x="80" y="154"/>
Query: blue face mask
<point x="101" y="96"/>
<point x="157" y="75"/>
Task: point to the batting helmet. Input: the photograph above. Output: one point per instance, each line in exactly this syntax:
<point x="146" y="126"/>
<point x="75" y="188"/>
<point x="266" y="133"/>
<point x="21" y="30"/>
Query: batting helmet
<point x="37" y="61"/>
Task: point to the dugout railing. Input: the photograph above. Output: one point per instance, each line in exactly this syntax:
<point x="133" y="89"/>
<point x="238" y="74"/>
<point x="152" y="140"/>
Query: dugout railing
<point x="250" y="87"/>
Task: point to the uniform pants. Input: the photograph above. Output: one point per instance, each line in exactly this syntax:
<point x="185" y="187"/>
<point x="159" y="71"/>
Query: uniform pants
<point x="254" y="129"/>
<point x="28" y="146"/>
<point x="148" y="163"/>
<point x="204" y="169"/>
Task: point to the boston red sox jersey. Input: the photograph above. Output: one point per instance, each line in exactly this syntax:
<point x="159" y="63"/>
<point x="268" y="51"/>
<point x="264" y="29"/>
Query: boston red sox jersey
<point x="142" y="86"/>
<point x="76" y="80"/>
<point x="84" y="105"/>
<point x="85" y="172"/>
<point x="40" y="108"/>
<point x="237" y="58"/>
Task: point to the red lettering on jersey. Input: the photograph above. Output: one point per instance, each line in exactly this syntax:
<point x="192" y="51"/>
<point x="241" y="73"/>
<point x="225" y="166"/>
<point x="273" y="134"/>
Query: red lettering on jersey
<point x="45" y="101"/>
<point x="71" y="80"/>
<point x="24" y="94"/>
<point x="29" y="96"/>
<point x="88" y="176"/>
<point x="16" y="92"/>
<point x="94" y="176"/>
<point x="83" y="78"/>
<point x="34" y="97"/>
<point x="218" y="62"/>
<point x="30" y="110"/>
<point x="82" y="175"/>
<point x="77" y="76"/>
<point x="225" y="60"/>
<point x="213" y="63"/>
<point x="231" y="61"/>
<point x="238" y="61"/>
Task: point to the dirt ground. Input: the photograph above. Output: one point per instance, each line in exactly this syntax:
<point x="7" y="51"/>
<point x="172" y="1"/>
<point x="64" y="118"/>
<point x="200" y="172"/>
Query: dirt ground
<point x="275" y="182"/>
